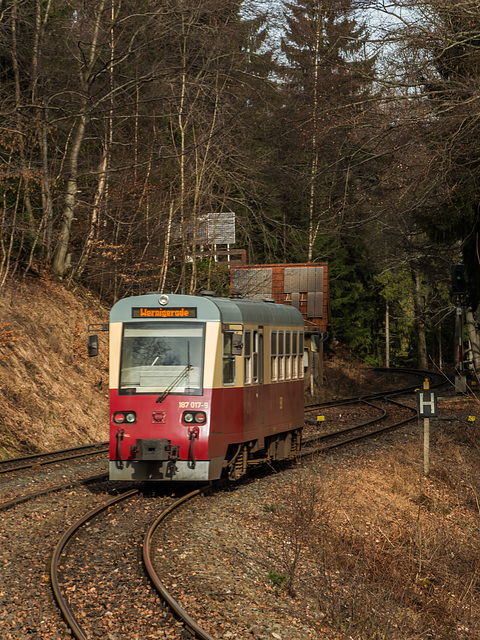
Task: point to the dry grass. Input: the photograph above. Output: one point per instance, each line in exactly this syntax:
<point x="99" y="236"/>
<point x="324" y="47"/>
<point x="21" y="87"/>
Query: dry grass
<point x="390" y="554"/>
<point x="345" y="376"/>
<point x="51" y="394"/>
<point x="7" y="336"/>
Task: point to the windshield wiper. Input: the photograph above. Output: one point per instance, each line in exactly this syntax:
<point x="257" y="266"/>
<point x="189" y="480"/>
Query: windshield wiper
<point x="178" y="379"/>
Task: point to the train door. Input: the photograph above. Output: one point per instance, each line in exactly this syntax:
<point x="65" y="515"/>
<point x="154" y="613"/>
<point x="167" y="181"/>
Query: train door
<point x="231" y="390"/>
<point x="253" y="388"/>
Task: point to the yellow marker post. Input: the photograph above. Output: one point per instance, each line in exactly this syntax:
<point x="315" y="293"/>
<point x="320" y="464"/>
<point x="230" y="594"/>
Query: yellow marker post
<point x="320" y="418"/>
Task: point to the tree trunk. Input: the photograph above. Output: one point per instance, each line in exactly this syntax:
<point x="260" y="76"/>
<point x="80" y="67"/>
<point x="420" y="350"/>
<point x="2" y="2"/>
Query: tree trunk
<point x="163" y="273"/>
<point x="60" y="258"/>
<point x="312" y="227"/>
<point x="59" y="265"/>
<point x="95" y="219"/>
<point x="419" y="321"/>
<point x="474" y="339"/>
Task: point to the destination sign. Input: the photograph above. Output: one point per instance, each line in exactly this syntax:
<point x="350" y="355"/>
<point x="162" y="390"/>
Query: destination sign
<point x="173" y="312"/>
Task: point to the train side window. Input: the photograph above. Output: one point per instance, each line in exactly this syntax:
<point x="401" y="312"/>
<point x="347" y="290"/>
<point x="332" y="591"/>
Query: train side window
<point x="281" y="356"/>
<point x="248" y="357"/>
<point x="228" y="358"/>
<point x="294" y="355"/>
<point x="260" y="357"/>
<point x="288" y="360"/>
<point x="300" y="354"/>
<point x="273" y="354"/>
<point x="255" y="356"/>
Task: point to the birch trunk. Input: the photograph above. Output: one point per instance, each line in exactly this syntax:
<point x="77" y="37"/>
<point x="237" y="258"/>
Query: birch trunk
<point x="59" y="265"/>
<point x="474" y="339"/>
<point x="163" y="273"/>
<point x="60" y="260"/>
<point x="95" y="218"/>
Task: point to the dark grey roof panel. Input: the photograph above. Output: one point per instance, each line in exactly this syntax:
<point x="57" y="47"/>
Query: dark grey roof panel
<point x="263" y="313"/>
<point x="210" y="309"/>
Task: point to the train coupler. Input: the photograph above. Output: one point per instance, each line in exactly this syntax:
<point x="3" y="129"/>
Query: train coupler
<point x="174" y="452"/>
<point x="158" y="449"/>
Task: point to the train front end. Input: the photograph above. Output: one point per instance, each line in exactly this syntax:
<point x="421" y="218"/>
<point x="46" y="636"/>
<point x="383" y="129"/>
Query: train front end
<point x="161" y="387"/>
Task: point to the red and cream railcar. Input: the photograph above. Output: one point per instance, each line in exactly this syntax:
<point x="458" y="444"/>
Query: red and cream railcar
<point x="202" y="387"/>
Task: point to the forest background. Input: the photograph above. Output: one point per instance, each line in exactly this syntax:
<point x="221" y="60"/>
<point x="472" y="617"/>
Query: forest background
<point x="335" y="130"/>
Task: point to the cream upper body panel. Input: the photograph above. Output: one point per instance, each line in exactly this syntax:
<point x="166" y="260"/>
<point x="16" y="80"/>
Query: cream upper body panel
<point x="236" y="331"/>
<point x="115" y="342"/>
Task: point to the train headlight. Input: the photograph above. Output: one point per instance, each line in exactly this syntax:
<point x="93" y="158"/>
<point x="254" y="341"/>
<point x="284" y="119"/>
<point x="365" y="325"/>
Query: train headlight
<point x="163" y="300"/>
<point x="194" y="417"/>
<point x="120" y="417"/>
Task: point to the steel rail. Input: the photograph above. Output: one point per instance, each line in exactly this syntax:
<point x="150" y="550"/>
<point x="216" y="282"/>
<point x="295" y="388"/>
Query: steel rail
<point x="194" y="628"/>
<point x="367" y="435"/>
<point x="329" y="434"/>
<point x="435" y="378"/>
<point x="360" y="437"/>
<point x="39" y="459"/>
<point x="67" y="613"/>
<point x="8" y="504"/>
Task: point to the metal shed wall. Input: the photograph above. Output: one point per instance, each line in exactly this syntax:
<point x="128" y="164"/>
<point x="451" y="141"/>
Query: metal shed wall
<point x="303" y="286"/>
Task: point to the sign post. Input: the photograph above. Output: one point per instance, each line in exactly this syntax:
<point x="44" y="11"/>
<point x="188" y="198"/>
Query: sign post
<point x="427" y="408"/>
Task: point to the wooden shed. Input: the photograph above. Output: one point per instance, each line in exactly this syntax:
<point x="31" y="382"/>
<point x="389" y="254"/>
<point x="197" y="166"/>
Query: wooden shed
<point x="304" y="286"/>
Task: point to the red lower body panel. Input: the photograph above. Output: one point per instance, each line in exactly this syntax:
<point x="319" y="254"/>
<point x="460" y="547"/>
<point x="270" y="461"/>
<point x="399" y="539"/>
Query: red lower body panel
<point x="233" y="415"/>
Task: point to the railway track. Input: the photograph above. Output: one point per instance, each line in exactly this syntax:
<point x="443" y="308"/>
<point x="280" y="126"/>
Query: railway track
<point x="17" y="489"/>
<point x="373" y="426"/>
<point x="98" y="586"/>
<point x="319" y="443"/>
<point x="54" y="488"/>
<point x="59" y="591"/>
<point x="64" y="586"/>
<point x="153" y="573"/>
<point x="435" y="380"/>
<point x="64" y="574"/>
<point x="39" y="459"/>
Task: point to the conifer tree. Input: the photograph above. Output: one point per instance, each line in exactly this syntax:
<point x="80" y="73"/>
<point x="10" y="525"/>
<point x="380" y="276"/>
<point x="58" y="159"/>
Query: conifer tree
<point x="328" y="78"/>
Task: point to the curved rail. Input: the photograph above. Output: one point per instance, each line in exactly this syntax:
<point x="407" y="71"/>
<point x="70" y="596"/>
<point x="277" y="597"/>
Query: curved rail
<point x="67" y="613"/>
<point x="366" y="423"/>
<point x="436" y="379"/>
<point x="148" y="540"/>
<point x="197" y="631"/>
<point x="363" y="436"/>
<point x="38" y="459"/>
<point x="8" y="504"/>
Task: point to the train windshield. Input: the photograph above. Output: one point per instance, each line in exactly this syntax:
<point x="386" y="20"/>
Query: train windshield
<point x="162" y="357"/>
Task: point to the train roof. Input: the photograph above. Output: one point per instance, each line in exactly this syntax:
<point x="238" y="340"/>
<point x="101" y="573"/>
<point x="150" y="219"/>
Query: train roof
<point x="208" y="308"/>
